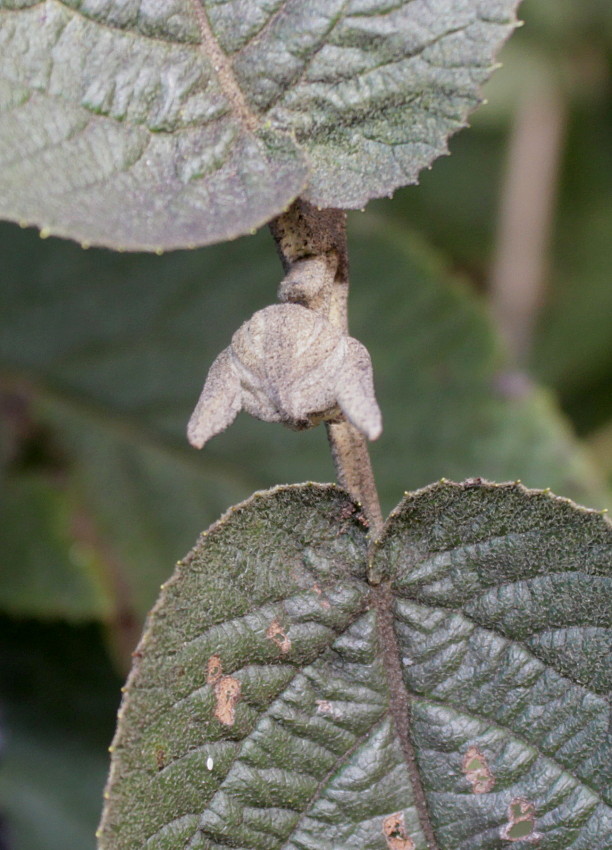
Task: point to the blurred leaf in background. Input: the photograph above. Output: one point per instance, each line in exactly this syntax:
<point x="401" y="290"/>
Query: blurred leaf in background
<point x="102" y="357"/>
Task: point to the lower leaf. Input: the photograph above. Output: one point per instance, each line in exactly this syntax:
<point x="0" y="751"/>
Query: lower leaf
<point x="295" y="690"/>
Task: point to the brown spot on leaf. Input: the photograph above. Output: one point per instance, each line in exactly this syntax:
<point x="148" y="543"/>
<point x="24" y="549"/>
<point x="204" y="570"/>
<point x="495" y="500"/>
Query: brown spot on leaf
<point x="347" y="510"/>
<point x="160" y="758"/>
<point x="227" y="694"/>
<point x="324" y="603"/>
<point x="227" y="691"/>
<point x="361" y="517"/>
<point x="477" y="771"/>
<point x="521" y="822"/>
<point x="394" y="830"/>
<point x="277" y="635"/>
<point x="326" y="707"/>
<point x="351" y="511"/>
<point x="214" y="669"/>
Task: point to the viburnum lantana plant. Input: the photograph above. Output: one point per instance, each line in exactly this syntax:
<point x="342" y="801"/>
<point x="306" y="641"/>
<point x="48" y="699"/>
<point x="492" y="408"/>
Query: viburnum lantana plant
<point x="313" y="676"/>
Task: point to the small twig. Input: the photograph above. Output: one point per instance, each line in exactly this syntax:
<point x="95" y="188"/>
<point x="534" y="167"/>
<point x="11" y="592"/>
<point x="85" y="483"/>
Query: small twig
<point x="306" y="232"/>
<point x="527" y="204"/>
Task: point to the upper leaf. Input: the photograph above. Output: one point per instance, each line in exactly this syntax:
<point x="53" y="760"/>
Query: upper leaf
<point x="163" y="125"/>
<point x="451" y="696"/>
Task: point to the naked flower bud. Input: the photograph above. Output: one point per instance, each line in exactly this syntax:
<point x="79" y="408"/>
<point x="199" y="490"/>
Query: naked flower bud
<point x="288" y="364"/>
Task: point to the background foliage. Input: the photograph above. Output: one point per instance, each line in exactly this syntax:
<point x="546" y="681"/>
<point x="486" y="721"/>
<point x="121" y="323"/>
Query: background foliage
<point x="102" y="356"/>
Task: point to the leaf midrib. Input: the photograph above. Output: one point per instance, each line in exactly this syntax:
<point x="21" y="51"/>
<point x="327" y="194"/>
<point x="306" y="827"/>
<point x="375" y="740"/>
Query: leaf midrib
<point x="223" y="70"/>
<point x="400" y="700"/>
<point x="215" y="56"/>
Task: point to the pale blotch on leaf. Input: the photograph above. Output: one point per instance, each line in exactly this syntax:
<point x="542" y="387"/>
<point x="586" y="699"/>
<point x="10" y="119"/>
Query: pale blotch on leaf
<point x="324" y="706"/>
<point x="477" y="772"/>
<point x="214" y="669"/>
<point x="277" y="635"/>
<point x="226" y="689"/>
<point x="323" y="602"/>
<point x="396" y="836"/>
<point x="521" y="822"/>
<point x="288" y="364"/>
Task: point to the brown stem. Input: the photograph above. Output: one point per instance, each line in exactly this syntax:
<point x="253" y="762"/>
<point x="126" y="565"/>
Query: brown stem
<point x="519" y="267"/>
<point x="351" y="458"/>
<point x="305" y="231"/>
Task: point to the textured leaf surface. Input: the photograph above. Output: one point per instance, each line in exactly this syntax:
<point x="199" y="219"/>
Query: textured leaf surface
<point x="111" y="352"/>
<point x="450" y="694"/>
<point x="161" y="125"/>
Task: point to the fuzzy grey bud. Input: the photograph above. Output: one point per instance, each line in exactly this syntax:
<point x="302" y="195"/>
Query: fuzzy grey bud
<point x="288" y="364"/>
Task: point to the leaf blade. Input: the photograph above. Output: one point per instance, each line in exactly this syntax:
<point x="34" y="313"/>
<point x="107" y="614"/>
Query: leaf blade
<point x="129" y="140"/>
<point x="324" y="594"/>
<point x="477" y="677"/>
<point x="310" y="755"/>
<point x="198" y="124"/>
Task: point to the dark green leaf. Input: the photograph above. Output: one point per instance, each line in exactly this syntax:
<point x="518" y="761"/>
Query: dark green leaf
<point x="44" y="570"/>
<point x="288" y="695"/>
<point x="167" y="125"/>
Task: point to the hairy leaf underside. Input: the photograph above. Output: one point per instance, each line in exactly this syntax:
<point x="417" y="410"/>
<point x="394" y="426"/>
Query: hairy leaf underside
<point x="446" y="690"/>
<point x="174" y="123"/>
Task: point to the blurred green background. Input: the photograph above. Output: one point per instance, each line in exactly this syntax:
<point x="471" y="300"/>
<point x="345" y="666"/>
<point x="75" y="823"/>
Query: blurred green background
<point x="483" y="295"/>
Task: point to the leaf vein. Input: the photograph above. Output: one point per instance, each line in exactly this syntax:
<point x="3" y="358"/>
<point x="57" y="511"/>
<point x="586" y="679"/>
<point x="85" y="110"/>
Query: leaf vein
<point x="224" y="70"/>
<point x="332" y="771"/>
<point x="461" y="709"/>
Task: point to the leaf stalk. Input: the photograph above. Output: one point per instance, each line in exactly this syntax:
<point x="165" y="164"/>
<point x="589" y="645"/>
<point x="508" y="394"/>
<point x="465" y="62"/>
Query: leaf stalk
<point x="305" y="232"/>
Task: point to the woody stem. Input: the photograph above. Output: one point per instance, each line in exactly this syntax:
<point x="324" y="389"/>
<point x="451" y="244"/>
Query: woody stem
<point x="305" y="231"/>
